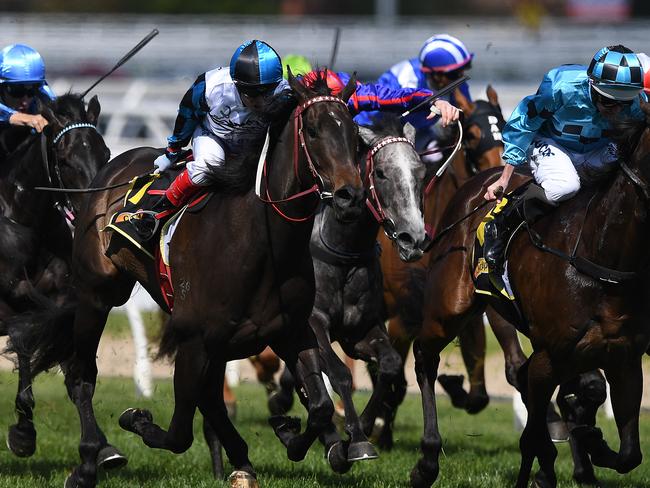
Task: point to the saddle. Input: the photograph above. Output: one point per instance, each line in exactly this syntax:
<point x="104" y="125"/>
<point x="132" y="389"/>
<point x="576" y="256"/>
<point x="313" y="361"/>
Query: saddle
<point x="126" y="223"/>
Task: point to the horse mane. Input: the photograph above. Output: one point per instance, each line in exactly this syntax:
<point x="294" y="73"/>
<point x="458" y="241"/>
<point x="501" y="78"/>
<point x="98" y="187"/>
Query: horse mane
<point x="627" y="133"/>
<point x="387" y="124"/>
<point x="69" y="105"/>
<point x="316" y="81"/>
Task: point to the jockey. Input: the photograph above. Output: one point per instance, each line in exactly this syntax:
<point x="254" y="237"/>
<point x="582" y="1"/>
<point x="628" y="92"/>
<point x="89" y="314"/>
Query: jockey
<point x="223" y="111"/>
<point x="561" y="132"/>
<point x="22" y="82"/>
<point x="442" y="59"/>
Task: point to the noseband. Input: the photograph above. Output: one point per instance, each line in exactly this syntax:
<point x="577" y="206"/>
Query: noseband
<point x="373" y="203"/>
<point x="67" y="210"/>
<point x="299" y="143"/>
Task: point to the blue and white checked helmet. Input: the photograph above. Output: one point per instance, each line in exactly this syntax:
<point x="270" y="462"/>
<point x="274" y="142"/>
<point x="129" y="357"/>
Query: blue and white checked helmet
<point x="616" y="73"/>
<point x="21" y="64"/>
<point x="444" y="53"/>
<point x="255" y="63"/>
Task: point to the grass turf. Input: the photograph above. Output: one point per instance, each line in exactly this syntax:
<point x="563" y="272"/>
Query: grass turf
<point x="479" y="451"/>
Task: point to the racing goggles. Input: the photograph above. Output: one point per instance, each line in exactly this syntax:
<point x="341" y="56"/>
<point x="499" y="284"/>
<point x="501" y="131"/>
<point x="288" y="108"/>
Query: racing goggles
<point x="20" y="90"/>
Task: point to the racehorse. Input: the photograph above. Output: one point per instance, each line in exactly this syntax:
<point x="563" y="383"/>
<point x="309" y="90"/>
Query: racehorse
<point x="36" y="244"/>
<point x="261" y="294"/>
<point x="593" y="249"/>
<point x="347" y="306"/>
<point x="404" y="281"/>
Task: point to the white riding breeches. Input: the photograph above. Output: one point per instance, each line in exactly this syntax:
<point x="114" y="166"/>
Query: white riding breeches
<point x="208" y="152"/>
<point x="558" y="170"/>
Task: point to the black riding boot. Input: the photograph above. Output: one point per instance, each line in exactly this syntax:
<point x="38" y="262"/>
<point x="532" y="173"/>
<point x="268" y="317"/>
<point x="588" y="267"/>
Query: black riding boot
<point x="526" y="207"/>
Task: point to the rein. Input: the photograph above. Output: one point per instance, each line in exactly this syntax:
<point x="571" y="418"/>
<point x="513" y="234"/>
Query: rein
<point x="373" y="203"/>
<point x="299" y="140"/>
<point x="66" y="209"/>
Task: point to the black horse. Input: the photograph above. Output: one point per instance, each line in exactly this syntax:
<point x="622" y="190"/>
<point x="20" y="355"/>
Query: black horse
<point x="35" y="238"/>
<point x="244" y="279"/>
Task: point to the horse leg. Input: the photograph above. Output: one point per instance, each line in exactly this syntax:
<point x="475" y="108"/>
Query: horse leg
<point x="579" y="400"/>
<point x="626" y="386"/>
<point x="280" y="401"/>
<point x="189" y="379"/>
<point x="427" y="360"/>
<point x="214" y="446"/>
<point x="21" y="439"/>
<point x="472" y="346"/>
<point x="359" y="448"/>
<point x="506" y="335"/>
<point x="375" y="346"/>
<point x="215" y="414"/>
<point x="535" y="440"/>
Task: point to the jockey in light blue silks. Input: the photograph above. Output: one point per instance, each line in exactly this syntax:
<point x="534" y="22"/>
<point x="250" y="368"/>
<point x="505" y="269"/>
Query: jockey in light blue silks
<point x="442" y="59"/>
<point x="22" y="82"/>
<point x="563" y="134"/>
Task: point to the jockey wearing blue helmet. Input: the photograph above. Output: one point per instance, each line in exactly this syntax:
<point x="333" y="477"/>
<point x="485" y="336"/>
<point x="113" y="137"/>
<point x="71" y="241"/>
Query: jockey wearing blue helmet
<point x="224" y="111"/>
<point x="22" y="81"/>
<point x="563" y="133"/>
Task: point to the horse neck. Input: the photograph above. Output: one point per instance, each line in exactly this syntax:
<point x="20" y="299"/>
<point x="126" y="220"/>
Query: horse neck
<point x="445" y="188"/>
<point x="330" y="232"/>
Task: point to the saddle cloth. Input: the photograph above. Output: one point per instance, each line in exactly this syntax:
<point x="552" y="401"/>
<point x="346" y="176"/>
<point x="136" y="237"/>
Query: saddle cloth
<point x="495" y="286"/>
<point x="143" y="192"/>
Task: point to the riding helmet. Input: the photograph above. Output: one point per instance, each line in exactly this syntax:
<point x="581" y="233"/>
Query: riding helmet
<point x="255" y="63"/>
<point x="21" y="64"/>
<point x="615" y="72"/>
<point x="444" y="53"/>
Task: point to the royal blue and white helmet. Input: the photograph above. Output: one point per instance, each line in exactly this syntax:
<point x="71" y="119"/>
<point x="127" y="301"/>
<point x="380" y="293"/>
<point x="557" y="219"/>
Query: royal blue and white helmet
<point x="443" y="53"/>
<point x="21" y="64"/>
<point x="616" y="73"/>
<point x="255" y="64"/>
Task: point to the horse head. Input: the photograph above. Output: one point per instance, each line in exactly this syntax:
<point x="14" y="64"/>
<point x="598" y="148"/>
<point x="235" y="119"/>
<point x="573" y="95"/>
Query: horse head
<point x="396" y="175"/>
<point x="483" y="125"/>
<point x="329" y="139"/>
<point x="76" y="150"/>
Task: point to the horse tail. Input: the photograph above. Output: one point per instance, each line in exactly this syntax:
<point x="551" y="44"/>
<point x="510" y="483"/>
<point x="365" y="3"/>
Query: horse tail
<point x="169" y="342"/>
<point x="410" y="309"/>
<point x="45" y="336"/>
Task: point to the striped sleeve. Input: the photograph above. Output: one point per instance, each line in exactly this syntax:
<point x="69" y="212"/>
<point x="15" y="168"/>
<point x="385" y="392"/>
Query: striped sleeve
<point x="371" y="96"/>
<point x="192" y="109"/>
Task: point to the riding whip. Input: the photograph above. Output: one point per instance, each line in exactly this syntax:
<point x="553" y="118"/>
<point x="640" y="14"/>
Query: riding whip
<point x="449" y="88"/>
<point x="124" y="59"/>
<point x="335" y="48"/>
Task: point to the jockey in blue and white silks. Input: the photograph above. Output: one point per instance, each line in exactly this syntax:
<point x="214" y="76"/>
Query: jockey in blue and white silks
<point x="563" y="132"/>
<point x="442" y="59"/>
<point x="223" y="112"/>
<point x="22" y="82"/>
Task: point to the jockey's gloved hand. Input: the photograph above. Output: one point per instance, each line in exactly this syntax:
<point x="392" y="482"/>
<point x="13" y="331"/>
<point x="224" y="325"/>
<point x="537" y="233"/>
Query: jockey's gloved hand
<point x="163" y="162"/>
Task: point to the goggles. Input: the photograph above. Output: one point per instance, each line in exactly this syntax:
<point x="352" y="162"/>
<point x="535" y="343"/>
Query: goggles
<point x="20" y="90"/>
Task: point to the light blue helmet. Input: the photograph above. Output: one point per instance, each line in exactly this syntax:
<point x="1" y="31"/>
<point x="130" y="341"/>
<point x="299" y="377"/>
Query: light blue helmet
<point x="21" y="64"/>
<point x="616" y="73"/>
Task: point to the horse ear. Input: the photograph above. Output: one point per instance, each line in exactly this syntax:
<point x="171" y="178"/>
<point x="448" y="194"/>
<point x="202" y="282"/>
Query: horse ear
<point x="350" y="88"/>
<point x="463" y="103"/>
<point x="492" y="96"/>
<point x="367" y="135"/>
<point x="298" y="88"/>
<point x="93" y="110"/>
<point x="409" y="132"/>
<point x="46" y="111"/>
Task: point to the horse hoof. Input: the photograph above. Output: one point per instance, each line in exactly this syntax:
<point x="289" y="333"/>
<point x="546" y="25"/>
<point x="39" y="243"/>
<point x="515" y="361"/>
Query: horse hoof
<point x="558" y="431"/>
<point x="71" y="481"/>
<point x="453" y="386"/>
<point x="242" y="479"/>
<point x="22" y="442"/>
<point x="279" y="403"/>
<point x="109" y="458"/>
<point x="337" y="459"/>
<point x="130" y="416"/>
<point x="361" y="451"/>
<point x="422" y="478"/>
<point x="476" y="403"/>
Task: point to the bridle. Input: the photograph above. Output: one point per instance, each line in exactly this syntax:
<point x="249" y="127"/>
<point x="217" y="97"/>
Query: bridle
<point x="66" y="209"/>
<point x="299" y="143"/>
<point x="373" y="202"/>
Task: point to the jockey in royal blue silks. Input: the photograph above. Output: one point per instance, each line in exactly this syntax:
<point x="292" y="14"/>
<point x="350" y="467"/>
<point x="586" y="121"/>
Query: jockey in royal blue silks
<point x="563" y="133"/>
<point x="22" y="82"/>
<point x="442" y="59"/>
<point x="222" y="112"/>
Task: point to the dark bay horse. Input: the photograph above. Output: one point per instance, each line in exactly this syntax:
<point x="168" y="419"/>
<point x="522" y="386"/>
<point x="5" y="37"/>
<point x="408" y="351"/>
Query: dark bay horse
<point x="36" y="242"/>
<point x="243" y="276"/>
<point x="347" y="306"/>
<point x="577" y="321"/>
<point x="404" y="281"/>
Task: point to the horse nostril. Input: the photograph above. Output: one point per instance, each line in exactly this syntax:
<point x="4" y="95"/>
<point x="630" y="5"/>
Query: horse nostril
<point x="349" y="196"/>
<point x="343" y="196"/>
<point x="406" y="238"/>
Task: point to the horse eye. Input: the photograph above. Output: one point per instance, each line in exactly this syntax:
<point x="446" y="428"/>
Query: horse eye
<point x="380" y="174"/>
<point x="311" y="131"/>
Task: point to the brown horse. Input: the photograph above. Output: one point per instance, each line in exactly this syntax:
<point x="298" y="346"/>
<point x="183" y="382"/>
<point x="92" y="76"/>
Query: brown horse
<point x="577" y="321"/>
<point x="243" y="276"/>
<point x="403" y="282"/>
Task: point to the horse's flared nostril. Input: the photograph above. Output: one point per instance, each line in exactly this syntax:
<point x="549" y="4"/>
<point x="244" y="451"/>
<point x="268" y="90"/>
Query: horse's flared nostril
<point x="349" y="196"/>
<point x="406" y="239"/>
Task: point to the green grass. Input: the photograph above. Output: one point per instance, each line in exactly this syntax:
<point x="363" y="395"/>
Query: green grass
<point x="479" y="451"/>
<point x="118" y="326"/>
